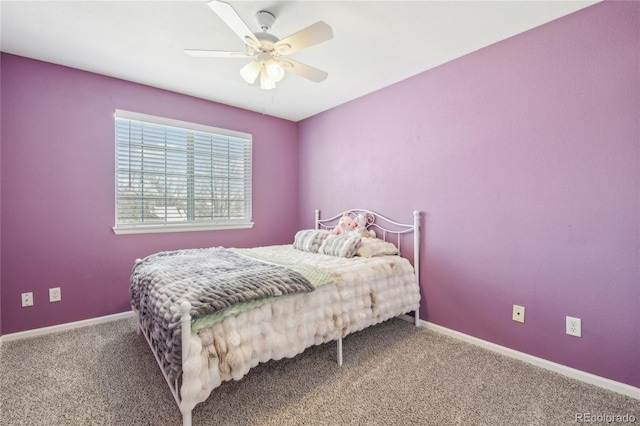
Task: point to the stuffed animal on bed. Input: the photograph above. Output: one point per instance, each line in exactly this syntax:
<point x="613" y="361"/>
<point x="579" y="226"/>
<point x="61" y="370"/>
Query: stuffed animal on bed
<point x="361" y="227"/>
<point x="345" y="225"/>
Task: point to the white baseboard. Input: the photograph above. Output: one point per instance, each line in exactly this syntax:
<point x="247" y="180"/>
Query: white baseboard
<point x="573" y="373"/>
<point x="61" y="327"/>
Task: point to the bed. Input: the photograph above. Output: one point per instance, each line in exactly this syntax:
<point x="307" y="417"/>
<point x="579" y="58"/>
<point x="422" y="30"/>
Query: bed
<point x="210" y="315"/>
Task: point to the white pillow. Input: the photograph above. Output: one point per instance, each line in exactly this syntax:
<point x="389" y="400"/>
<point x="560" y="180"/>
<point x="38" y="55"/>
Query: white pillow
<point x="373" y="247"/>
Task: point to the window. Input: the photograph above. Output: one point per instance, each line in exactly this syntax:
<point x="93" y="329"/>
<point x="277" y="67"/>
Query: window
<point x="177" y="176"/>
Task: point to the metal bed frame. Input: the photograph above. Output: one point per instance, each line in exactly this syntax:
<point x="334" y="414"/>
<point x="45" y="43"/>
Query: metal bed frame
<point x="387" y="227"/>
<point x="382" y="224"/>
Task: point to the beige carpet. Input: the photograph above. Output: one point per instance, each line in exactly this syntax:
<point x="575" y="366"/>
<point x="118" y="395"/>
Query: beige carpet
<point x="394" y="374"/>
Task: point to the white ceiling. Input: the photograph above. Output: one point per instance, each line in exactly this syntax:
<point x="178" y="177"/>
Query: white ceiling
<point x="375" y="44"/>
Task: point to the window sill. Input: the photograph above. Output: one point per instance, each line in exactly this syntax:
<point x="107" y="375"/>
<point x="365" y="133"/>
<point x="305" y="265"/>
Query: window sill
<point x="187" y="227"/>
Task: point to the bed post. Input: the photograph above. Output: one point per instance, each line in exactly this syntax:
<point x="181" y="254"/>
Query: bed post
<point x="185" y="324"/>
<point x="416" y="256"/>
<point x="317" y="225"/>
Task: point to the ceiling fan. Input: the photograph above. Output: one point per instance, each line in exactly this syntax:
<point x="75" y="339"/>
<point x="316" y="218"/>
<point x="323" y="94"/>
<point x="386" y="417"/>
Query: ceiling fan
<point x="266" y="49"/>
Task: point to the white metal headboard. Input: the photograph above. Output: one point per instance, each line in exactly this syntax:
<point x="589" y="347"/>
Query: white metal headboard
<point x="384" y="227"/>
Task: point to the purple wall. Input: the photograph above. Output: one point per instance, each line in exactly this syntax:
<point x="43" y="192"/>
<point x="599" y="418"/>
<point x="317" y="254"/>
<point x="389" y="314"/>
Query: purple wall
<point x="58" y="189"/>
<point x="524" y="157"/>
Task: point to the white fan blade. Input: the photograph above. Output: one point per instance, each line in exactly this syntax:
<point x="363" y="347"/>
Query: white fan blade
<point x="215" y="54"/>
<point x="303" y="70"/>
<point x="310" y="36"/>
<point x="233" y="20"/>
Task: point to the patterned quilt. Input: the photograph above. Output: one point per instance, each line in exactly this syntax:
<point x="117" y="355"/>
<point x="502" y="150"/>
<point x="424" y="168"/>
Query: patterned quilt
<point x="360" y="291"/>
<point x="212" y="280"/>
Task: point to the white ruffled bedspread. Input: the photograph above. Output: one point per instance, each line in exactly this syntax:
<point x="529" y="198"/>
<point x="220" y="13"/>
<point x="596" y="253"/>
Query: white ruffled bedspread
<point x="365" y="291"/>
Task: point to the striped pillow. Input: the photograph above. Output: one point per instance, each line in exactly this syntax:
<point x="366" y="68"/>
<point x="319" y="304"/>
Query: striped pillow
<point x="340" y="245"/>
<point x="309" y="239"/>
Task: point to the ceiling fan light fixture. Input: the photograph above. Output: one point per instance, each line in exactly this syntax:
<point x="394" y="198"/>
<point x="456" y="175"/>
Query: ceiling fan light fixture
<point x="274" y="70"/>
<point x="250" y="71"/>
<point x="265" y="82"/>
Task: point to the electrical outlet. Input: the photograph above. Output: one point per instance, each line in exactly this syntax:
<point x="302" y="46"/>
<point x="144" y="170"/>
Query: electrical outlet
<point x="518" y="313"/>
<point x="55" y="295"/>
<point x="27" y="299"/>
<point x="574" y="326"/>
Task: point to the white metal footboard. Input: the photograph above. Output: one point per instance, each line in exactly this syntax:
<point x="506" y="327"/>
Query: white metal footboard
<point x="185" y="405"/>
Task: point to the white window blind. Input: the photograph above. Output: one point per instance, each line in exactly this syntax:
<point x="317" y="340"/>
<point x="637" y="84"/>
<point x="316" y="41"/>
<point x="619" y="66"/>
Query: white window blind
<point x="175" y="176"/>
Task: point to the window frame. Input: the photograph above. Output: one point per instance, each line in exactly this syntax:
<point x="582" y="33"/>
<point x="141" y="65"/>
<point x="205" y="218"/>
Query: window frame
<point x="186" y="225"/>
